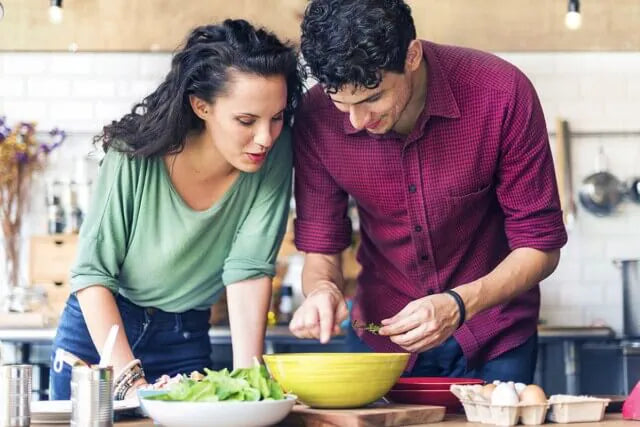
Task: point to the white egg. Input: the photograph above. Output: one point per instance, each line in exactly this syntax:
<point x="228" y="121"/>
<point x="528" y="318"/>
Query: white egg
<point x="504" y="395"/>
<point x="519" y="387"/>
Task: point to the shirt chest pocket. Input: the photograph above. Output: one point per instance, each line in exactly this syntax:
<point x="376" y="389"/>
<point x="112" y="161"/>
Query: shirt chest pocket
<point x="458" y="217"/>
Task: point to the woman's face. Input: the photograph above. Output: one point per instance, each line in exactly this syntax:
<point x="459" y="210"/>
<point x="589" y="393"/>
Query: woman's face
<point x="245" y="120"/>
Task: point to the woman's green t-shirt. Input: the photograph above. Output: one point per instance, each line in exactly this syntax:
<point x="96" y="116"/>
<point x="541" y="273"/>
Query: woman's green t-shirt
<point x="140" y="238"/>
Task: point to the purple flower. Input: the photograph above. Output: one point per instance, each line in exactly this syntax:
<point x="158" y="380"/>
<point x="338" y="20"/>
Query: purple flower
<point x="57" y="137"/>
<point x="22" y="158"/>
<point x="5" y="131"/>
<point x="26" y="128"/>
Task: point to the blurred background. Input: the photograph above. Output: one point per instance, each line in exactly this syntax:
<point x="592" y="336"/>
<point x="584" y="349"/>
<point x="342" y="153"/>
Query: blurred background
<point x="75" y="65"/>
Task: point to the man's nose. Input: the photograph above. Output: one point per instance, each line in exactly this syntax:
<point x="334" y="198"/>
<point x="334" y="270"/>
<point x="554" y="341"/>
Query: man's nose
<point x="358" y="117"/>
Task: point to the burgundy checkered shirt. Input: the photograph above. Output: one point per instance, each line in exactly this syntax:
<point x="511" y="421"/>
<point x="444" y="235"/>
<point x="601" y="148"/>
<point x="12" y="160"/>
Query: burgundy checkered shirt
<point x="440" y="207"/>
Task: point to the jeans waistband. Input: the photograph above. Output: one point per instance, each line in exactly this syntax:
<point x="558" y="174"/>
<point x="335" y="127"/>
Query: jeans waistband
<point x="158" y="315"/>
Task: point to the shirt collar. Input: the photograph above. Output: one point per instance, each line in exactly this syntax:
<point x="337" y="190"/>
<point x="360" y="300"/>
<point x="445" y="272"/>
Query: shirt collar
<point x="439" y="102"/>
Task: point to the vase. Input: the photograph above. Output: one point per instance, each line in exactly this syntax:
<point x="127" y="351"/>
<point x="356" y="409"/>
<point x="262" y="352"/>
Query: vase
<point x="12" y="286"/>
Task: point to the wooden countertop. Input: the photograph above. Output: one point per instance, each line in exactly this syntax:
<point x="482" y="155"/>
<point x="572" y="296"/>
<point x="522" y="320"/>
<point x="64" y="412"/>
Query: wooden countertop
<point x="610" y="420"/>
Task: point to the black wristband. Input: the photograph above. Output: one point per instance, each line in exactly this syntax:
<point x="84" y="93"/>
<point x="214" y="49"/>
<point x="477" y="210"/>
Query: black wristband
<point x="461" y="309"/>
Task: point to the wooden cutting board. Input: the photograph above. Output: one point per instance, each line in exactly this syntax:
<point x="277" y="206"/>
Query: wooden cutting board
<point x="386" y="415"/>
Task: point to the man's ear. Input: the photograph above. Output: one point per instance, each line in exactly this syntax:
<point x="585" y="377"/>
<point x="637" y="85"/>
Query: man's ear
<point x="200" y="107"/>
<point x="414" y="56"/>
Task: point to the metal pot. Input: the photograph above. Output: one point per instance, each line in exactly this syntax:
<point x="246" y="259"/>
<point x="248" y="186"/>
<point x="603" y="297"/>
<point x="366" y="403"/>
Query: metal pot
<point x="630" y="269"/>
<point x="633" y="189"/>
<point x="601" y="192"/>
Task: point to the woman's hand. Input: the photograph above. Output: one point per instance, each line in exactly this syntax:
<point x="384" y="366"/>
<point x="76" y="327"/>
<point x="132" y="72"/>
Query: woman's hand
<point x="133" y="391"/>
<point x="320" y="314"/>
<point x="423" y="324"/>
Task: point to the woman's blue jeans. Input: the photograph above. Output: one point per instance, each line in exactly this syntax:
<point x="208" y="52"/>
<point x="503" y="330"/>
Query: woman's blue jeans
<point x="165" y="343"/>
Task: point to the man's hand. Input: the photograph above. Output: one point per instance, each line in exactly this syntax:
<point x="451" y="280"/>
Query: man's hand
<point x="423" y="324"/>
<point x="321" y="313"/>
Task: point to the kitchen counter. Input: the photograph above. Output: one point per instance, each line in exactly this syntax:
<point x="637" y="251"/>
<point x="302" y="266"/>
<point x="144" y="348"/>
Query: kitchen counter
<point x="611" y="420"/>
<point x="574" y="333"/>
<point x="222" y="333"/>
<point x="571" y="339"/>
<point x="46" y="335"/>
<point x="281" y="339"/>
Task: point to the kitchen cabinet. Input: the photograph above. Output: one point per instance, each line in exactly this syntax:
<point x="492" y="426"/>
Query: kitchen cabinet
<point x="493" y="25"/>
<point x="50" y="259"/>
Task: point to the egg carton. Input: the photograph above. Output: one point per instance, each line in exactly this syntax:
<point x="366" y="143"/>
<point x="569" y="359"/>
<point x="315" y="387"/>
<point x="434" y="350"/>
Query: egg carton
<point x="505" y="415"/>
<point x="576" y="409"/>
<point x="478" y="409"/>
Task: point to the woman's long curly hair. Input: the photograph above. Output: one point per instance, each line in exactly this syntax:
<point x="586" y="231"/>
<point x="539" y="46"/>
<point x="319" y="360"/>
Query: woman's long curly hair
<point x="354" y="41"/>
<point x="161" y="122"/>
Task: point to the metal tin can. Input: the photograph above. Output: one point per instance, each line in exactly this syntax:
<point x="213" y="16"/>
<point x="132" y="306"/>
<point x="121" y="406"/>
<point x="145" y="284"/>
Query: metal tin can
<point x="15" y="395"/>
<point x="92" y="396"/>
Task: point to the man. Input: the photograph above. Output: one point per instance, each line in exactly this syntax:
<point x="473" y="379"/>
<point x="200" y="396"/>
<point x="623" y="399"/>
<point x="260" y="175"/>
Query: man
<point x="445" y="151"/>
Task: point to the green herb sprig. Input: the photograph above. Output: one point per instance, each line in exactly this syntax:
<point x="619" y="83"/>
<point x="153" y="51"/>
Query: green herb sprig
<point x="369" y="327"/>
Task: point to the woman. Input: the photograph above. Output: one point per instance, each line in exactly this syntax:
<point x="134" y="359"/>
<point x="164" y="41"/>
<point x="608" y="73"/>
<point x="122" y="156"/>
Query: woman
<point x="192" y="196"/>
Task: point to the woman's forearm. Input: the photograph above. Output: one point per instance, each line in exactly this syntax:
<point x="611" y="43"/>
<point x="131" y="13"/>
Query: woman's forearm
<point x="101" y="312"/>
<point x="248" y="304"/>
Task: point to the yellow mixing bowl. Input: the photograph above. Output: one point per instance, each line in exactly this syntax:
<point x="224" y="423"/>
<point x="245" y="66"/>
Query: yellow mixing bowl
<point x="337" y="380"/>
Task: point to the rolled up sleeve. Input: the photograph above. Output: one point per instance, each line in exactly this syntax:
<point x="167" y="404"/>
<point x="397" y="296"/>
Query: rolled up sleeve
<point x="256" y="245"/>
<point x="526" y="187"/>
<point x="102" y="244"/>
<point x="322" y="224"/>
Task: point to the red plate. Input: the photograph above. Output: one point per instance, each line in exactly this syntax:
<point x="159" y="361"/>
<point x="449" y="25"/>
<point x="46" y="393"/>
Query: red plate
<point x="426" y="397"/>
<point x="432" y="383"/>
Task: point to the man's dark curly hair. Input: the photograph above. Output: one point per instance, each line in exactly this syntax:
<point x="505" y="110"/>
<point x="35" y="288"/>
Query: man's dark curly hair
<point x="354" y="41"/>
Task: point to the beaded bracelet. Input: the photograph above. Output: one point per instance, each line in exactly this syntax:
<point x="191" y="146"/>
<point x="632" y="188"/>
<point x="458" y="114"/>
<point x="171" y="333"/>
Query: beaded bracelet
<point x="127" y="378"/>
<point x="127" y="368"/>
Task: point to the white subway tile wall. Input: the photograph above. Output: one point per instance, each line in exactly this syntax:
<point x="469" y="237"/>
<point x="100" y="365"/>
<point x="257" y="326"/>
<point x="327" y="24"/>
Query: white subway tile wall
<point x="596" y="92"/>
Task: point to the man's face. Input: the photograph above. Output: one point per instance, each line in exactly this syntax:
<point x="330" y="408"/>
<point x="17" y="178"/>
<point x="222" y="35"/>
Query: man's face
<point x="376" y="110"/>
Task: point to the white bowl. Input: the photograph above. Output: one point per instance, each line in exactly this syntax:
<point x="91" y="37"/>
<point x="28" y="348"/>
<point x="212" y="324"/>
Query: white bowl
<point x="205" y="414"/>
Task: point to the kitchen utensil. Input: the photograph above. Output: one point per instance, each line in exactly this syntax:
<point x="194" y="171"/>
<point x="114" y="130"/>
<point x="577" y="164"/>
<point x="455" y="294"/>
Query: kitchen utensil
<point x="336" y="380"/>
<point x="601" y="192"/>
<point x="432" y="383"/>
<point x="375" y="415"/>
<point x="62" y="356"/>
<point x="426" y="397"/>
<point x="630" y="270"/>
<point x="633" y="189"/>
<point x="15" y="395"/>
<point x="91" y="396"/>
<point x="107" y="349"/>
<point x="564" y="173"/>
<point x="228" y="413"/>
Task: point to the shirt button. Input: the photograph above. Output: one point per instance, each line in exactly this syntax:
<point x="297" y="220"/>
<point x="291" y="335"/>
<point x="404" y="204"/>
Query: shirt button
<point x="412" y="188"/>
<point x="424" y="257"/>
<point x="417" y="228"/>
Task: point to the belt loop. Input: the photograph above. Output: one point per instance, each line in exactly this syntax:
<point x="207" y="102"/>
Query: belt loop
<point x="178" y="325"/>
<point x="147" y="315"/>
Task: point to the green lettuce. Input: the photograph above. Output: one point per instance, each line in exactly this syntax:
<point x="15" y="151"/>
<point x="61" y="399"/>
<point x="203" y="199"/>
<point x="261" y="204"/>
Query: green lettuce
<point x="246" y="384"/>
